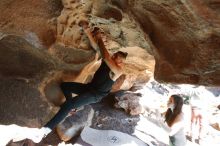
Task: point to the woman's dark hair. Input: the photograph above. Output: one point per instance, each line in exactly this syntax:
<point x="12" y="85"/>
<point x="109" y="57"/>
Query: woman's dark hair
<point x="122" y="54"/>
<point x="171" y="116"/>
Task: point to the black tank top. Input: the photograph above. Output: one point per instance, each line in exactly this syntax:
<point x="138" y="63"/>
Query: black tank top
<point x="101" y="81"/>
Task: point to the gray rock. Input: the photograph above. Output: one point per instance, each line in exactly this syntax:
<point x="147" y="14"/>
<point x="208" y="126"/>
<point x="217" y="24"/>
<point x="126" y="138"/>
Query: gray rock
<point x="73" y="124"/>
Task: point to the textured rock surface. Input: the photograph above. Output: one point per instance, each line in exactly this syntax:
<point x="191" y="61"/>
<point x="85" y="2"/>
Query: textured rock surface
<point x="35" y="20"/>
<point x="129" y="101"/>
<point x="185" y="36"/>
<point x="21" y="103"/>
<point x="73" y="125"/>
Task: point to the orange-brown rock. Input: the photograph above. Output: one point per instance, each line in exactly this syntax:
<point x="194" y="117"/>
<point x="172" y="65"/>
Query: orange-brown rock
<point x="185" y="36"/>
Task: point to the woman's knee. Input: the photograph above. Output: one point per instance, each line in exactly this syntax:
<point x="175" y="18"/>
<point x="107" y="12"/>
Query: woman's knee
<point x="92" y="99"/>
<point x="68" y="104"/>
<point x="98" y="98"/>
<point x="63" y="86"/>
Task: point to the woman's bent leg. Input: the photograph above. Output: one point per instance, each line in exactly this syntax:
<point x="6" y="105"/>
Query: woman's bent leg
<point x="72" y="87"/>
<point x="76" y="102"/>
<point x="62" y="113"/>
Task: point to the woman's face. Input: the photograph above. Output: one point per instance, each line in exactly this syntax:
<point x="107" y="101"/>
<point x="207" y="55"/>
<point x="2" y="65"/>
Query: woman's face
<point x="119" y="60"/>
<point x="170" y="101"/>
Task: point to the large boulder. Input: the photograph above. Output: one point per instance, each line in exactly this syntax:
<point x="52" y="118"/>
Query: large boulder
<point x="185" y="36"/>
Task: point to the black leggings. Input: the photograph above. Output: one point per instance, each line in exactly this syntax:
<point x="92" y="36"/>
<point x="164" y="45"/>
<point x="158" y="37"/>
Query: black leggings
<point x="85" y="97"/>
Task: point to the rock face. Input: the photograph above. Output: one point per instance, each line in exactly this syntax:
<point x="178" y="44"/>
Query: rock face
<point x="73" y="124"/>
<point x="34" y="20"/>
<point x="22" y="103"/>
<point x="129" y="101"/>
<point x="42" y="44"/>
<point x="185" y="36"/>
